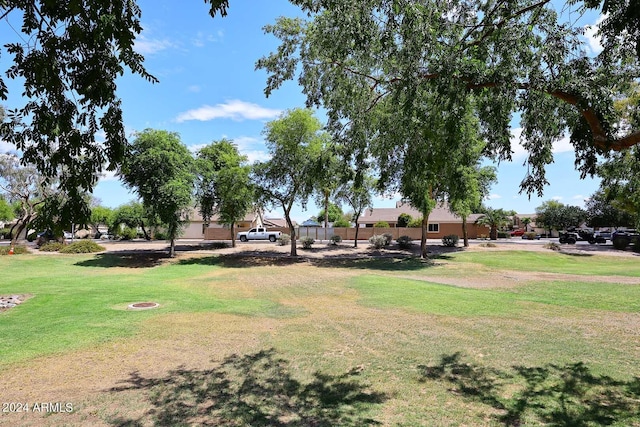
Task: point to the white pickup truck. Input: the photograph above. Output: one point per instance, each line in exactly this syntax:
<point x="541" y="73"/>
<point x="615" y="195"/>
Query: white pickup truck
<point x="259" y="233"/>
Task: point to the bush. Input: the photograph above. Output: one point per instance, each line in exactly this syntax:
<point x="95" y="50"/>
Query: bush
<point x="341" y="222"/>
<point x="218" y="245"/>
<point x="378" y="241"/>
<point x="415" y="223"/>
<point x="82" y="247"/>
<point x="504" y="235"/>
<point x="335" y="239"/>
<point x="404" y="219"/>
<point x="18" y="250"/>
<point x="530" y="235"/>
<point x="388" y="238"/>
<point x="51" y="247"/>
<point x="405" y="242"/>
<point x="128" y="234"/>
<point x="6" y="232"/>
<point x="553" y="246"/>
<point x="307" y="242"/>
<point x="283" y="240"/>
<point x="160" y="235"/>
<point x="381" y="224"/>
<point x="451" y="240"/>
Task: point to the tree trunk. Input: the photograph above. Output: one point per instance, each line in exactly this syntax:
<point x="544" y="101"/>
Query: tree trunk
<point x="423" y="238"/>
<point x="172" y="249"/>
<point x="146" y="236"/>
<point x="465" y="235"/>
<point x="493" y="233"/>
<point x="326" y="209"/>
<point x="233" y="234"/>
<point x="292" y="231"/>
<point x="355" y="242"/>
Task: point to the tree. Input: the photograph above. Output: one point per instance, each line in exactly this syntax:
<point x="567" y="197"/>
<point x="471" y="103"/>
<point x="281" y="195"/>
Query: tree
<point x="555" y="215"/>
<point x="68" y="57"/>
<point x="223" y="185"/>
<point x="332" y="214"/>
<point x="471" y="190"/>
<point x="24" y="187"/>
<point x="132" y="215"/>
<point x="494" y="218"/>
<point x="159" y="168"/>
<point x="6" y="210"/>
<point x="602" y="212"/>
<point x="100" y="215"/>
<point x="295" y="145"/>
<point x="353" y="57"/>
<point x="357" y="193"/>
<point x="526" y="221"/>
<point x="404" y="219"/>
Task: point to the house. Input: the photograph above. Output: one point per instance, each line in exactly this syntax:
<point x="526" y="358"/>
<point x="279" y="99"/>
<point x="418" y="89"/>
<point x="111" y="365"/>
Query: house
<point x="442" y="221"/>
<point x="196" y="228"/>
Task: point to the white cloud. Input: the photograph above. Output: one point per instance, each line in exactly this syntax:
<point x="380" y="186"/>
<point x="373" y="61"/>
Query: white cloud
<point x="557" y="198"/>
<point x="108" y="176"/>
<point x="148" y="46"/>
<point x="563" y="145"/>
<point x="6" y="147"/>
<point x="201" y="39"/>
<point x="590" y="33"/>
<point x="493" y="197"/>
<point x="194" y="88"/>
<point x="234" y="109"/>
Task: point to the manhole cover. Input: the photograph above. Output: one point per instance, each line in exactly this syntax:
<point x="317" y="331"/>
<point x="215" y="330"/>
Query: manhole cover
<point x="143" y="305"/>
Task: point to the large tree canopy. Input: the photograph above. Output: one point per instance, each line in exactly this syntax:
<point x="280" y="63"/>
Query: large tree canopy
<point x="68" y="56"/>
<point x="353" y="57"/>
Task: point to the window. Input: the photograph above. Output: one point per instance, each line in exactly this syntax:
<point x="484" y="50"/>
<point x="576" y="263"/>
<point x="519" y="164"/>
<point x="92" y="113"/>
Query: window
<point x="433" y="228"/>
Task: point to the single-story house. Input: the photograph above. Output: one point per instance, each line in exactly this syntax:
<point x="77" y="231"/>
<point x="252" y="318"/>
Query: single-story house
<point x="442" y="221"/>
<point x="196" y="229"/>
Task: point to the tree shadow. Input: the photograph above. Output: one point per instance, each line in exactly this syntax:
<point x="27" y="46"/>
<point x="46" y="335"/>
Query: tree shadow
<point x="252" y="390"/>
<point x="245" y="260"/>
<point x="141" y="258"/>
<point x="553" y="395"/>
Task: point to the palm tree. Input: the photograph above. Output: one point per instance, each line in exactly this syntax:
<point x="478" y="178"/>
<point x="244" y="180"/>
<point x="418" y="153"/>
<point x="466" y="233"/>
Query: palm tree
<point x="494" y="218"/>
<point x="526" y="221"/>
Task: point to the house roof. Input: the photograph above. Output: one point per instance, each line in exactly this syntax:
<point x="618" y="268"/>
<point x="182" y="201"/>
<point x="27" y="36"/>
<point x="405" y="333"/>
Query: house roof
<point x="440" y="213"/>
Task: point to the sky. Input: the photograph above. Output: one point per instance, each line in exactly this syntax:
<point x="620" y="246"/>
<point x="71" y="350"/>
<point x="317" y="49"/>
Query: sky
<point x="209" y="90"/>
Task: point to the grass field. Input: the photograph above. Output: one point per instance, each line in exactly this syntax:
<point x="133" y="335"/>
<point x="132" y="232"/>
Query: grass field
<point x="472" y="338"/>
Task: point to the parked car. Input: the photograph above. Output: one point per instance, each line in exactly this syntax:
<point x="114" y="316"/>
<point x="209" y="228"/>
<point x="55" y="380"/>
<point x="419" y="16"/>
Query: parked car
<point x="259" y="233"/>
<point x="518" y="232"/>
<point x="534" y="236"/>
<point x="569" y="238"/>
<point x="599" y="237"/>
<point x="623" y="238"/>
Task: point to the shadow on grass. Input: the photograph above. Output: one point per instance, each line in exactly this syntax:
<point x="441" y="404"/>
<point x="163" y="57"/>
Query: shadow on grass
<point x="568" y="395"/>
<point x="243" y="260"/>
<point x="128" y="259"/>
<point x="252" y="390"/>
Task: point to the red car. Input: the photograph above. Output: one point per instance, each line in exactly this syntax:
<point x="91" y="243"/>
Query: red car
<point x="518" y="232"/>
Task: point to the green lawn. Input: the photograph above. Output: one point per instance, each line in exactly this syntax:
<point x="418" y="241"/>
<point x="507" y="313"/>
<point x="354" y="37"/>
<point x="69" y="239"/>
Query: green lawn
<point x="334" y="342"/>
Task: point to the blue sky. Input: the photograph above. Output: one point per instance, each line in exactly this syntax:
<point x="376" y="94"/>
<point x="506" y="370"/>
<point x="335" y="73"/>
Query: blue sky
<point x="209" y="89"/>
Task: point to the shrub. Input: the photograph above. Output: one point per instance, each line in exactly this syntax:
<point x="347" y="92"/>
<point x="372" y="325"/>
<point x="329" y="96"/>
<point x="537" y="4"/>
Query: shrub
<point x="335" y="239"/>
<point x="18" y="250"/>
<point x="82" y="247"/>
<point x="160" y="235"/>
<point x="6" y="232"/>
<point x="51" y="247"/>
<point x="404" y="219"/>
<point x="530" y="235"/>
<point x="504" y="235"/>
<point x="378" y="241"/>
<point x="283" y="240"/>
<point x="451" y="240"/>
<point x="128" y="234"/>
<point x="381" y="224"/>
<point x="388" y="238"/>
<point x="553" y="246"/>
<point x="415" y="223"/>
<point x="341" y="222"/>
<point x="405" y="242"/>
<point x="307" y="242"/>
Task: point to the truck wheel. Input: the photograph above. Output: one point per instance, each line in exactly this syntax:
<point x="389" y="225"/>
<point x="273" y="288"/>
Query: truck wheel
<point x="571" y="240"/>
<point x="592" y="241"/>
<point x="243" y="238"/>
<point x="272" y="238"/>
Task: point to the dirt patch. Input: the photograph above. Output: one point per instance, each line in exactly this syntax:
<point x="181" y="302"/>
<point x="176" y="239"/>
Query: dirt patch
<point x="7" y="302"/>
